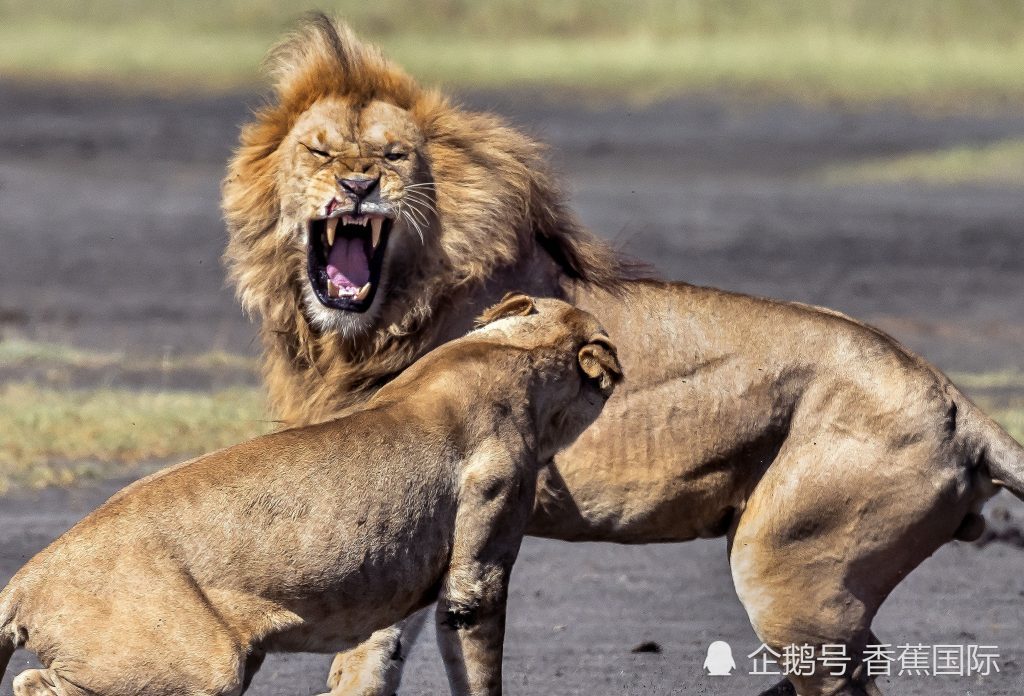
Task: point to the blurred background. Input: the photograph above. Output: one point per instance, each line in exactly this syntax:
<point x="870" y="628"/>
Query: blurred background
<point x="867" y="155"/>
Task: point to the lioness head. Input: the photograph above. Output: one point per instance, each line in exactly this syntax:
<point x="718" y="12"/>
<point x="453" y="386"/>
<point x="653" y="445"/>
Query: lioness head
<point x="558" y="325"/>
<point x="574" y="359"/>
<point x="358" y="203"/>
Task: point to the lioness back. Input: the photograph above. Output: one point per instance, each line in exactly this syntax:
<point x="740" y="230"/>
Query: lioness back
<point x="265" y="540"/>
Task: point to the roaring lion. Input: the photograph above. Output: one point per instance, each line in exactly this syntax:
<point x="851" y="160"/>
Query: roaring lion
<point x="182" y="583"/>
<point x="371" y="219"/>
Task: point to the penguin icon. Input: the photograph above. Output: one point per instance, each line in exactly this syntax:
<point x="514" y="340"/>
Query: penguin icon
<point x="719" y="662"/>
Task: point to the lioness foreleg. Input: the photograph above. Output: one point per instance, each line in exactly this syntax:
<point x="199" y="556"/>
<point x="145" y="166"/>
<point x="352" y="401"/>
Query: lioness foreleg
<point x="495" y="500"/>
<point x="471" y="636"/>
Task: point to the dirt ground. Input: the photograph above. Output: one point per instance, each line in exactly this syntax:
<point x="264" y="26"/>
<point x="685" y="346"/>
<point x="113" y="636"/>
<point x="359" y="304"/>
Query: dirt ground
<point x="110" y="238"/>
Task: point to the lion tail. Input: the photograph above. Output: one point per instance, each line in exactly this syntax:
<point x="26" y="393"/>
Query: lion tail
<point x="996" y="450"/>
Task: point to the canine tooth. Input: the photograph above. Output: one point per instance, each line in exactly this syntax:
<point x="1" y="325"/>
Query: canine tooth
<point x="333" y="290"/>
<point x="376" y="223"/>
<point x="332" y="228"/>
<point x="364" y="292"/>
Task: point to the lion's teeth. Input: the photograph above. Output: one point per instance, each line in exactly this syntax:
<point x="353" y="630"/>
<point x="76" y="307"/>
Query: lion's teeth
<point x="376" y="223"/>
<point x="333" y="290"/>
<point x="332" y="228"/>
<point x="347" y="219"/>
<point x="364" y="292"/>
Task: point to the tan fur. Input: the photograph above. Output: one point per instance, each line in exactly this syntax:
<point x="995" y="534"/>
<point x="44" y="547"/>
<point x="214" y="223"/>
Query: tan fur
<point x="832" y="458"/>
<point x="310" y="539"/>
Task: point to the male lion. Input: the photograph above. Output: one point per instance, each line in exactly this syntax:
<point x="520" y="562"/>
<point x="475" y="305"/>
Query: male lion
<point x="311" y="538"/>
<point x="370" y="219"/>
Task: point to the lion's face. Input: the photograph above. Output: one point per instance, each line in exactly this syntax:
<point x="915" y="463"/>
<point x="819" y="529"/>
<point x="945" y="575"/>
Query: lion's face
<point x="369" y="217"/>
<point x="359" y="201"/>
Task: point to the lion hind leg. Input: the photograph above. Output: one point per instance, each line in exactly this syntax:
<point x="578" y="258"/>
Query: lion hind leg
<point x="823" y="540"/>
<point x="45" y="682"/>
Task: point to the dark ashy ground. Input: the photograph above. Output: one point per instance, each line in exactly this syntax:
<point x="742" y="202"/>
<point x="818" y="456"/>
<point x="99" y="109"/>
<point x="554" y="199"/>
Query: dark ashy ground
<point x="110" y="238"/>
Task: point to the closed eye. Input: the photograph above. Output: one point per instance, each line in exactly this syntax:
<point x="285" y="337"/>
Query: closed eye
<point x="395" y="156"/>
<point x="315" y="151"/>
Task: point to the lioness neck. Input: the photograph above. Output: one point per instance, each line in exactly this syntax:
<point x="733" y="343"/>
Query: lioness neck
<point x="475" y="390"/>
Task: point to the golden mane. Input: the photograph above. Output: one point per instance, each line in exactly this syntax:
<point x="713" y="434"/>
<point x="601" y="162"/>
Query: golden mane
<point x="496" y="202"/>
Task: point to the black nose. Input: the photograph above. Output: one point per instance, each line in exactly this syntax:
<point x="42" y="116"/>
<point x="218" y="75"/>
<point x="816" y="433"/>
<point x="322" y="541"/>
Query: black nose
<point x="358" y="186"/>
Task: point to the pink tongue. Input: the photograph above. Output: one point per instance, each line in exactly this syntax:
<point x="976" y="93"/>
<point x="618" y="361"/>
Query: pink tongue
<point x="347" y="266"/>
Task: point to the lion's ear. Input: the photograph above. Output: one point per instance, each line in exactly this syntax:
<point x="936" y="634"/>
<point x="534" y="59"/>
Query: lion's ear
<point x="513" y="304"/>
<point x="599" y="361"/>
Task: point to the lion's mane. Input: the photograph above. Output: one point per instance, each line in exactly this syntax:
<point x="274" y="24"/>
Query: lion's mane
<point x="495" y="198"/>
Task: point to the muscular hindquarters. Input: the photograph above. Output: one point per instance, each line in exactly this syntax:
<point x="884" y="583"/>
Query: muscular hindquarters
<point x="713" y="381"/>
<point x="714" y="384"/>
<point x="860" y="494"/>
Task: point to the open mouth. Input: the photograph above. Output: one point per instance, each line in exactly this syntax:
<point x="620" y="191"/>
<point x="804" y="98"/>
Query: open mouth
<point x="345" y="255"/>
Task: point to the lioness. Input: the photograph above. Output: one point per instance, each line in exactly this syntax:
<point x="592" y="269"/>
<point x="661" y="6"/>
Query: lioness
<point x="310" y="539"/>
<point x="370" y="220"/>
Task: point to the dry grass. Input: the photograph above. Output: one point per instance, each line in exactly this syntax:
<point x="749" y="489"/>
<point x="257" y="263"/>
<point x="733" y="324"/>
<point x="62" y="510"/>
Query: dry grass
<point x="951" y="52"/>
<point x="997" y="380"/>
<point x="998" y="163"/>
<point x="1000" y="394"/>
<point x="16" y="352"/>
<point x="50" y="436"/>
<point x="1011" y="418"/>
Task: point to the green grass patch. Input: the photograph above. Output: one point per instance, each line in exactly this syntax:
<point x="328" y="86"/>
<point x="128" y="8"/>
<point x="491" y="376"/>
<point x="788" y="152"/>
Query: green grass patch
<point x="999" y="393"/>
<point x="18" y="352"/>
<point x="1001" y="162"/>
<point x="53" y="436"/>
<point x="1012" y="419"/>
<point x="953" y="52"/>
<point x="999" y="379"/>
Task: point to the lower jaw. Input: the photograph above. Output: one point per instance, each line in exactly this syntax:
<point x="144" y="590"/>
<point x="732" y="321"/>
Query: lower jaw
<point x="360" y="296"/>
<point x="353" y="308"/>
<point x="343" y="322"/>
<point x="316" y="295"/>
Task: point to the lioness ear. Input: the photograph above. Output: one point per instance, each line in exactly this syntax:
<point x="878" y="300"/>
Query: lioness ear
<point x="513" y="304"/>
<point x="600" y="363"/>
